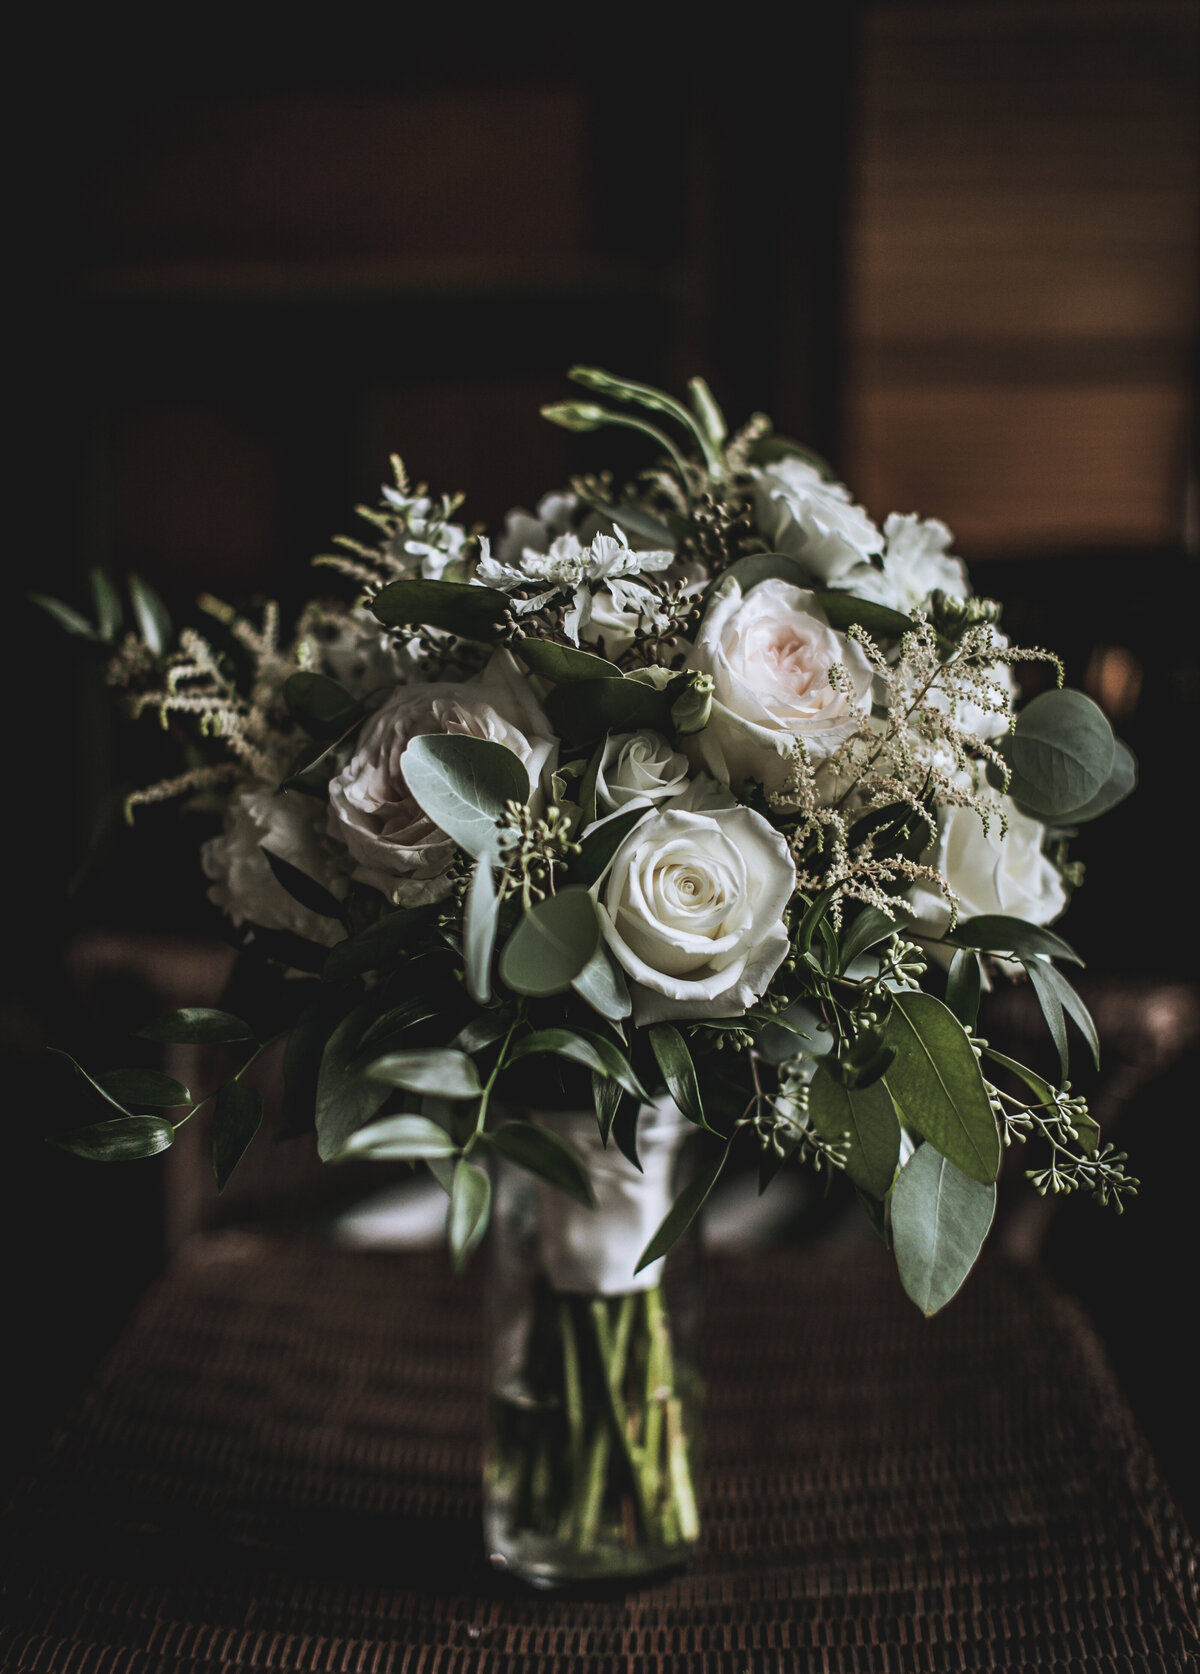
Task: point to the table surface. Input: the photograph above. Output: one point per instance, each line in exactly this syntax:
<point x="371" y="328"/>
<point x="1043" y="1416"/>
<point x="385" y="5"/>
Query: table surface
<point x="278" y="1468"/>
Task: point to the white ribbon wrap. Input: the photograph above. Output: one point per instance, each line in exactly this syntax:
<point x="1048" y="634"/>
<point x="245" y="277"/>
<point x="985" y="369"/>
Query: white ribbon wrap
<point x="596" y="1250"/>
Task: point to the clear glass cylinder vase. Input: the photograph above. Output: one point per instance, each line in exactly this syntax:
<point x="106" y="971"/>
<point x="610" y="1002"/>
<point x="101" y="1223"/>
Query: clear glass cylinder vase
<point x="595" y="1398"/>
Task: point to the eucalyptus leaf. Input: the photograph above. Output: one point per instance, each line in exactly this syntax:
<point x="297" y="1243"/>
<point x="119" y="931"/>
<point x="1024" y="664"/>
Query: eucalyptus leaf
<point x="1121" y="781"/>
<point x="551" y="945"/>
<point x="323" y="707"/>
<point x="69" y="619"/>
<point x="602" y="984"/>
<point x="346" y="1099"/>
<point x="1061" y="752"/>
<point x="964" y="985"/>
<point x="624" y="1131"/>
<point x="937" y="1086"/>
<point x="564" y="664"/>
<point x="196" y="1026"/>
<point x="472" y="612"/>
<point x="470" y="1207"/>
<point x="940" y="1219"/>
<point x="463" y="784"/>
<point x="544" y="1154"/>
<point x="429" y="1070"/>
<point x="593" y="1051"/>
<point x="674" y="1059"/>
<point x="597" y="847"/>
<point x="154" y="624"/>
<point x="996" y="933"/>
<point x="142" y="1086"/>
<point x="385" y="942"/>
<point x="869" y="929"/>
<point x="481" y="918"/>
<point x="867" y="1116"/>
<point x="685" y="1208"/>
<point x="399" y="1139"/>
<point x="120" y="1139"/>
<point x="1046" y="980"/>
<point x="583" y="712"/>
<point x="237" y="1115"/>
<point x="844" y="611"/>
<point x="606" y="1097"/>
<point x="301" y="887"/>
<point x="745" y="574"/>
<point x="107" y="602"/>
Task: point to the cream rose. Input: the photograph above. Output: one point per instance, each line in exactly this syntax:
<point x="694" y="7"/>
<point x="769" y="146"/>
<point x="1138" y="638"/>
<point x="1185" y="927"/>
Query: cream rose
<point x="639" y="770"/>
<point x="770" y="653"/>
<point x="812" y="520"/>
<point x="691" y="907"/>
<point x="395" y="846"/>
<point x="243" y="884"/>
<point x="989" y="872"/>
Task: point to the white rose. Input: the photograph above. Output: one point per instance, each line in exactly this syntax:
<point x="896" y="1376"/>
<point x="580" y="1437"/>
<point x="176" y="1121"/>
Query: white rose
<point x="639" y="770"/>
<point x="917" y="562"/>
<point x="396" y="847"/>
<point x="691" y="907"/>
<point x="811" y="520"/>
<point x="244" y="885"/>
<point x="770" y="653"/>
<point x="989" y="872"/>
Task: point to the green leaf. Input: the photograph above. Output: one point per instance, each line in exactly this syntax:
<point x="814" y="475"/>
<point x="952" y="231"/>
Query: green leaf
<point x="196" y="1026"/>
<point x="685" y="1209"/>
<point x="457" y="607"/>
<point x="814" y="912"/>
<point x="483" y="1030"/>
<point x="141" y="1086"/>
<point x="1121" y="781"/>
<point x="437" y="1070"/>
<point x="543" y="1153"/>
<point x="747" y="573"/>
<point x="311" y="769"/>
<point x="937" y="1086"/>
<point x="624" y="1130"/>
<point x="593" y="1051"/>
<point x="120" y="1139"/>
<point x="463" y="784"/>
<point x="769" y="450"/>
<point x="869" y="929"/>
<point x="712" y="419"/>
<point x="107" y="602"/>
<point x="1061" y="753"/>
<point x="301" y="887"/>
<point x="237" y="1114"/>
<point x="602" y="984"/>
<point x="868" y="1117"/>
<point x="964" y="985"/>
<point x="70" y="620"/>
<point x="606" y="1096"/>
<point x="481" y="920"/>
<point x="346" y="1099"/>
<point x="323" y="707"/>
<point x="385" y="942"/>
<point x="1041" y="1089"/>
<point x="995" y="933"/>
<point x="940" y="1219"/>
<point x="470" y="1206"/>
<point x="1056" y="995"/>
<point x="399" y="1139"/>
<point x="551" y="944"/>
<point x="597" y="848"/>
<point x="674" y="1060"/>
<point x="154" y="624"/>
<point x="582" y="713"/>
<point x="844" y="611"/>
<point x="564" y="664"/>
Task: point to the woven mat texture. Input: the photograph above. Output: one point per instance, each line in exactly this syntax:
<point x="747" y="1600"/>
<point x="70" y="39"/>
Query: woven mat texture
<point x="278" y="1468"/>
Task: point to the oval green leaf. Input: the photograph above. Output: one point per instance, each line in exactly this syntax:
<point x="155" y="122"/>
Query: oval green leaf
<point x="438" y="1070"/>
<point x="867" y="1116"/>
<point x="996" y="933"/>
<point x="388" y="940"/>
<point x="599" y="845"/>
<point x="237" y="1116"/>
<point x="585" y="711"/>
<point x="964" y="985"/>
<point x="564" y="664"/>
<point x="457" y="607"/>
<point x="602" y="984"/>
<point x="463" y="784"/>
<point x="142" y="1086"/>
<point x="196" y="1026"/>
<point x="685" y="1208"/>
<point x="937" y="1086"/>
<point x="323" y="707"/>
<point x="940" y="1219"/>
<point x="547" y="1156"/>
<point x="470" y="1207"/>
<point x="302" y="888"/>
<point x="481" y="918"/>
<point x="674" y="1059"/>
<point x="1061" y="752"/>
<point x="399" y="1139"/>
<point x="551" y="945"/>
<point x="844" y="611"/>
<point x="121" y="1139"/>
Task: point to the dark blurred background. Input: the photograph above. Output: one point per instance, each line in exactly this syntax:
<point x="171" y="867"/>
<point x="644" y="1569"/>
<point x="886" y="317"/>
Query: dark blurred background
<point x="952" y="246"/>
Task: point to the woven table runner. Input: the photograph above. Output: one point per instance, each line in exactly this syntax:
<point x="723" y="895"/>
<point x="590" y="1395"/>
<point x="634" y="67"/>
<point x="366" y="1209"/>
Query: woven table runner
<point x="278" y="1468"/>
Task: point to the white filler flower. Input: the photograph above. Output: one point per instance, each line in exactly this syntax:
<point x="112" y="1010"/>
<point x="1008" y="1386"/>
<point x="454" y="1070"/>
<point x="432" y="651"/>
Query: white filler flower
<point x="812" y="520"/>
<point x="606" y="563"/>
<point x="243" y="884"/>
<point x="692" y="908"/>
<point x="917" y="561"/>
<point x="780" y="675"/>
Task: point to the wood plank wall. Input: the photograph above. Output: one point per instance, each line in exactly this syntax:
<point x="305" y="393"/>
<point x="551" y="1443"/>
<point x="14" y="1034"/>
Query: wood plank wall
<point x="1021" y="272"/>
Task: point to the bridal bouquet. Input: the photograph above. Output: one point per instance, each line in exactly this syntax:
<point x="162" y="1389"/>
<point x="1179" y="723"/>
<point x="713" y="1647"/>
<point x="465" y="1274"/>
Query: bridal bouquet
<point x="702" y="790"/>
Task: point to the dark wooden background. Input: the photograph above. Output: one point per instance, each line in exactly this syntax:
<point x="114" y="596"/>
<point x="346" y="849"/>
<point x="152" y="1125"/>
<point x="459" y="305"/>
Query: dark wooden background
<point x="953" y="247"/>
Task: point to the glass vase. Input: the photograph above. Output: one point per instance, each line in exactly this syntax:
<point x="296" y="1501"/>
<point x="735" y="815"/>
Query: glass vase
<point x="595" y="1399"/>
